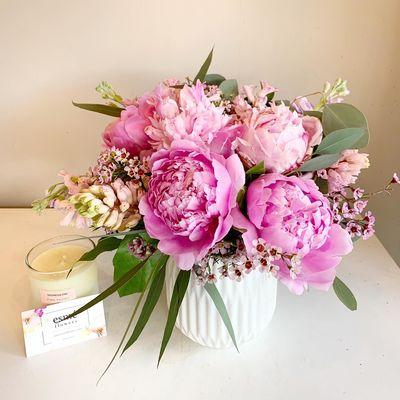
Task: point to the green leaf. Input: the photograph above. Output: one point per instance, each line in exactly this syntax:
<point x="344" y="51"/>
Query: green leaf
<point x="201" y="75"/>
<point x="322" y="185"/>
<point x="257" y="169"/>
<point x="161" y="260"/>
<point x="229" y="88"/>
<point x="106" y="244"/>
<point x="320" y="162"/>
<point x="341" y="115"/>
<point x="115" y="286"/>
<point x="270" y="97"/>
<point x="178" y="294"/>
<point x="100" y="108"/>
<point x="123" y="261"/>
<point x="342" y="139"/>
<point x="240" y="198"/>
<point x="344" y="294"/>
<point x="151" y="301"/>
<point x="316" y="114"/>
<point x="214" y="79"/>
<point x="220" y="305"/>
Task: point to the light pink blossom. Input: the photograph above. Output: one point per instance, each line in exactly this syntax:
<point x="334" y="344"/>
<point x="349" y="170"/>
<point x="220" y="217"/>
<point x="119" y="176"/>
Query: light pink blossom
<point x="346" y="170"/>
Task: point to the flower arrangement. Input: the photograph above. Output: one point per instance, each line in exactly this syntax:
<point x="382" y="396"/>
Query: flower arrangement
<point x="225" y="181"/>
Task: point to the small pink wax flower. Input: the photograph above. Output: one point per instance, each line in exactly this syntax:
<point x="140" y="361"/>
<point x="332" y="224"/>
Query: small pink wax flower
<point x="291" y="213"/>
<point x="189" y="200"/>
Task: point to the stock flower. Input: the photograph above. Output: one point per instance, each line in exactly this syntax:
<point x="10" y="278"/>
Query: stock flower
<point x="278" y="137"/>
<point x="114" y="206"/>
<point x="291" y="213"/>
<point x="189" y="200"/>
<point x="345" y="171"/>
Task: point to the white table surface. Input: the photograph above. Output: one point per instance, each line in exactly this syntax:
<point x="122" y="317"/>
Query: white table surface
<point x="314" y="347"/>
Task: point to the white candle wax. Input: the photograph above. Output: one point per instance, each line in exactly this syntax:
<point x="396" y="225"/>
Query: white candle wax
<point x="49" y="264"/>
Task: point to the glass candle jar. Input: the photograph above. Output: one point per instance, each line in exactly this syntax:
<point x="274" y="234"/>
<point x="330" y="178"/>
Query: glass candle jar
<point x="55" y="273"/>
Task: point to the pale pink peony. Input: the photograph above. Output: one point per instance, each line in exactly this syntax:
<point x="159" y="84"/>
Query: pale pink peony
<point x="278" y="137"/>
<point x="291" y="213"/>
<point x="345" y="171"/>
<point x="191" y="115"/>
<point x="189" y="200"/>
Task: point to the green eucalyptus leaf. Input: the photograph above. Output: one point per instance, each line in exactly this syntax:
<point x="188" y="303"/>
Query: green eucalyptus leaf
<point x="344" y="294"/>
<point x="201" y="75"/>
<point x="257" y="169"/>
<point x="221" y="308"/>
<point x="312" y="113"/>
<point x="124" y="260"/>
<point x="115" y="286"/>
<point x="178" y="294"/>
<point x="214" y="79"/>
<point x="320" y="162"/>
<point x="103" y="245"/>
<point x="151" y="300"/>
<point x="100" y="108"/>
<point x="341" y="115"/>
<point x="229" y="88"/>
<point x="342" y="139"/>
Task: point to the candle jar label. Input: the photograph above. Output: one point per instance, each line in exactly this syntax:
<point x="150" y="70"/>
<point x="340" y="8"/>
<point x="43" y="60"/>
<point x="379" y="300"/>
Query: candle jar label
<point x="56" y="296"/>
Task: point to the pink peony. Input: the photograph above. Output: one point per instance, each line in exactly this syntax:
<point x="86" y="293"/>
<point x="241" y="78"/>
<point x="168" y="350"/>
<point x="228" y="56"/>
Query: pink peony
<point x="128" y="131"/>
<point x="191" y="115"/>
<point x="189" y="200"/>
<point x="277" y="136"/>
<point x="291" y="213"/>
<point x="345" y="171"/>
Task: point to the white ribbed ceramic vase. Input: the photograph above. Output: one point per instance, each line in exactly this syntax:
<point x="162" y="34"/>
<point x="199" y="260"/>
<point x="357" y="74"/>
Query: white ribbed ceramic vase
<point x="250" y="304"/>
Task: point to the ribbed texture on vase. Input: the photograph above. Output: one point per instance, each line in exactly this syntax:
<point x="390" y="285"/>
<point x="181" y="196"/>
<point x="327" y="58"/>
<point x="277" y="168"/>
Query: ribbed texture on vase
<point x="250" y="304"/>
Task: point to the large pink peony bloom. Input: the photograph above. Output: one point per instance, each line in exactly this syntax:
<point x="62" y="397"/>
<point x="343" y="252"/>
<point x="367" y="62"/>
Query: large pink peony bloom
<point x="191" y="115"/>
<point x="278" y="137"/>
<point x="291" y="213"/>
<point x="189" y="200"/>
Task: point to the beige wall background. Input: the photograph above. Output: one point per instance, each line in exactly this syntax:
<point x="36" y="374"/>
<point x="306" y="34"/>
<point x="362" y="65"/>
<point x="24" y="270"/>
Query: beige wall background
<point x="55" y="51"/>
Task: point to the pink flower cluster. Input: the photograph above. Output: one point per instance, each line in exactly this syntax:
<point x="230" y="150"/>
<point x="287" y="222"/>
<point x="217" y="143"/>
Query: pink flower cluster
<point x="199" y="148"/>
<point x="178" y="157"/>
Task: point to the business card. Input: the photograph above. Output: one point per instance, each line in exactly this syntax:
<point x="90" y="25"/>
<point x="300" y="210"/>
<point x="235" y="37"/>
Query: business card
<point x="46" y="328"/>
